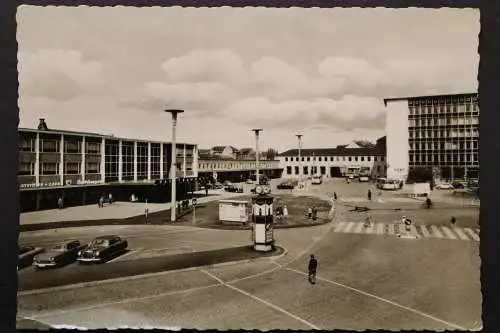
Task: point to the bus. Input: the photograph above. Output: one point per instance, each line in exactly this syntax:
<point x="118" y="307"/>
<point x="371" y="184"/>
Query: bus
<point x="386" y="184"/>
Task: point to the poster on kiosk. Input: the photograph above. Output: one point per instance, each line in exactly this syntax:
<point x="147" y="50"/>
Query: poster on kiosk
<point x="262" y="212"/>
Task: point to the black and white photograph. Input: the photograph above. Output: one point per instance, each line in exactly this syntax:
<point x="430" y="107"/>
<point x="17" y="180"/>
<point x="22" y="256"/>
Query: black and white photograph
<point x="248" y="168"/>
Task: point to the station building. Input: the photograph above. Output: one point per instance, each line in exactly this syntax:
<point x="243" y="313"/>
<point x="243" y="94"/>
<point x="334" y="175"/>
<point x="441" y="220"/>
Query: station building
<point x="80" y="167"/>
<point x="437" y="133"/>
<point x="352" y="159"/>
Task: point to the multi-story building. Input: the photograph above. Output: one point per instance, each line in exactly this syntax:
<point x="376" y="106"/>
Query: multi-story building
<point x="235" y="169"/>
<point x="79" y="167"/>
<point x="336" y="162"/>
<point x="440" y="133"/>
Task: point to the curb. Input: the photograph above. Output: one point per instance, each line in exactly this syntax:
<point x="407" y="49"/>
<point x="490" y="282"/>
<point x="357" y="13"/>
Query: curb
<point x="146" y="275"/>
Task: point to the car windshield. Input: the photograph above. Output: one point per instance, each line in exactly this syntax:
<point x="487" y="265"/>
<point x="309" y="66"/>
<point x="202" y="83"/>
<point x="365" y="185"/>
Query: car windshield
<point x="99" y="242"/>
<point x="59" y="248"/>
<point x="25" y="249"/>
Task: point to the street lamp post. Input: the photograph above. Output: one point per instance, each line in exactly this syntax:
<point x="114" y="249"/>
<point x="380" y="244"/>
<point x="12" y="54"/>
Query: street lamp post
<point x="173" y="164"/>
<point x="299" y="136"/>
<point x="257" y="131"/>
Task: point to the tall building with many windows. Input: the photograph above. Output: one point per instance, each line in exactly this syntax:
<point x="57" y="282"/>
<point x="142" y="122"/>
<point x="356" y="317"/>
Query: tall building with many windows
<point x="79" y="167"/>
<point x="433" y="132"/>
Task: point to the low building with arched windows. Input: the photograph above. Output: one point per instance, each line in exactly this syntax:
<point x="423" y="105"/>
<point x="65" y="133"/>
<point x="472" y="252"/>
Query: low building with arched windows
<point x="356" y="158"/>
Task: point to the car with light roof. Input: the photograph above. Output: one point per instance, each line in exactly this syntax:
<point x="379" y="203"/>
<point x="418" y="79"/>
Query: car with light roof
<point x="61" y="254"/>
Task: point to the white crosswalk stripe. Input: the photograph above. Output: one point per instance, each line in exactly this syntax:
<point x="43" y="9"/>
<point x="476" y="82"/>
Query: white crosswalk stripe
<point x="382" y="200"/>
<point x="423" y="231"/>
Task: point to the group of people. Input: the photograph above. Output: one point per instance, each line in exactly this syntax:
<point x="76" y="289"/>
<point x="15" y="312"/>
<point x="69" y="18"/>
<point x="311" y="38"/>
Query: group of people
<point x="100" y="202"/>
<point x="312" y="213"/>
<point x="281" y="212"/>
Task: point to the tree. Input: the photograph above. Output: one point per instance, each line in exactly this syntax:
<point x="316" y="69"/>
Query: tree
<point x="271" y="153"/>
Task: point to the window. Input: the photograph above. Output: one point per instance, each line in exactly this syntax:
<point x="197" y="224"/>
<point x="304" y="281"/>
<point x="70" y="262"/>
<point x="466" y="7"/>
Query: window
<point x="331" y="159"/>
<point x="369" y="158"/>
<point x="49" y="169"/>
<point x="286" y="159"/>
<point x="349" y="158"/>
<point x="27" y="144"/>
<point x="72" y="147"/>
<point x="356" y="158"/>
<point x="91" y="168"/>
<point x="155" y="161"/>
<point x="288" y="170"/>
<point x="306" y="170"/>
<point x="26" y="169"/>
<point x="49" y="146"/>
<point x="72" y="168"/>
<point x="92" y="147"/>
<point x="362" y="158"/>
<point x="308" y="159"/>
<point x="296" y="170"/>
<point x="296" y="159"/>
<point x="319" y="159"/>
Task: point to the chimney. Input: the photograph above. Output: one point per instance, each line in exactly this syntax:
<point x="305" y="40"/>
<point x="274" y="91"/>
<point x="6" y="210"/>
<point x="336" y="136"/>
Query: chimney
<point x="42" y="126"/>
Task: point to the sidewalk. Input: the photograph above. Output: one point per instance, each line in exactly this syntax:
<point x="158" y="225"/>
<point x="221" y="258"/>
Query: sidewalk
<point x="115" y="211"/>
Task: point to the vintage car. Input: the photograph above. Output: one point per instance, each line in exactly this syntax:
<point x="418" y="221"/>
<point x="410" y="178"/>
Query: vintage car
<point x="102" y="249"/>
<point x="444" y="186"/>
<point x="249" y="181"/>
<point x="286" y="185"/>
<point x="26" y="255"/>
<point x="61" y="254"/>
<point x="364" y="178"/>
<point x="233" y="188"/>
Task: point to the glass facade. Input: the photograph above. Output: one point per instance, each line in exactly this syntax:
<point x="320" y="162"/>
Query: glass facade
<point x="112" y="151"/>
<point x="142" y="160"/>
<point x="127" y="160"/>
<point x="155" y="161"/>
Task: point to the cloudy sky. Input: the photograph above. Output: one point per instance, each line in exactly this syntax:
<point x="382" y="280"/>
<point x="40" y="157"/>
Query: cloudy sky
<point x="319" y="72"/>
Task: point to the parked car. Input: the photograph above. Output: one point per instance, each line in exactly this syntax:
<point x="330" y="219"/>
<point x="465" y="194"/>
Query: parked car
<point x="286" y="185"/>
<point x="227" y="183"/>
<point x="364" y="179"/>
<point x="218" y="186"/>
<point x="350" y="176"/>
<point x="102" y="249"/>
<point x="61" y="254"/>
<point x="249" y="181"/>
<point x="26" y="255"/>
<point x="233" y="188"/>
<point x="459" y="185"/>
<point x="444" y="186"/>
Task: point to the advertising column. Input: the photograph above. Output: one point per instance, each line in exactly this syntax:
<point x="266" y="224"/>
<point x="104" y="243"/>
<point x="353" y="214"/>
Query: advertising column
<point x="263" y="228"/>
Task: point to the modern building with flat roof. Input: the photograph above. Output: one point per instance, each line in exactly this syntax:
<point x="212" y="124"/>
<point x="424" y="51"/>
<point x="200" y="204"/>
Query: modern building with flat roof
<point x="438" y="133"/>
<point x="80" y="167"/>
<point x="355" y="158"/>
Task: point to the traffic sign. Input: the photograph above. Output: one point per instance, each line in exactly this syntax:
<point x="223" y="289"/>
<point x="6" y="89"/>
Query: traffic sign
<point x="194" y="201"/>
<point x="407" y="221"/>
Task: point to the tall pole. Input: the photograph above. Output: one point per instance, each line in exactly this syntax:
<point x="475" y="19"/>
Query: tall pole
<point x="173" y="164"/>
<point x="257" y="131"/>
<point x="299" y="136"/>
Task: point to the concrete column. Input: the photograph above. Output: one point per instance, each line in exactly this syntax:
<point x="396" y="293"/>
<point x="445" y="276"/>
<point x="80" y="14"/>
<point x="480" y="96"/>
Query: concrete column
<point x="37" y="159"/>
<point x="184" y="161"/>
<point x="161" y="160"/>
<point x="120" y="161"/>
<point x="103" y="160"/>
<point x="61" y="161"/>
<point x="195" y="161"/>
<point x="149" y="160"/>
<point x="135" y="161"/>
<point x="82" y="168"/>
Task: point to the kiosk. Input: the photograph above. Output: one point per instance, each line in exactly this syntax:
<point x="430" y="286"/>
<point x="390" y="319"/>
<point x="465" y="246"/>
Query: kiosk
<point x="233" y="211"/>
<point x="262" y="213"/>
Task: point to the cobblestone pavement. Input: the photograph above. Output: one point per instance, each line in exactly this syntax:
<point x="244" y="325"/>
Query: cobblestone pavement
<point x="365" y="281"/>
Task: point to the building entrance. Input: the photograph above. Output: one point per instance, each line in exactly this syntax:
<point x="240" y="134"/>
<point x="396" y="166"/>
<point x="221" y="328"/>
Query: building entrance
<point x="335" y="172"/>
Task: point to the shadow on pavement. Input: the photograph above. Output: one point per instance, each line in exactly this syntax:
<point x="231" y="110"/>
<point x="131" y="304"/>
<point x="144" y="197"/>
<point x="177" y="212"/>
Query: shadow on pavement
<point x="112" y="270"/>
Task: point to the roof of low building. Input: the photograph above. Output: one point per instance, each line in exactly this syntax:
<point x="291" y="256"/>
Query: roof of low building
<point x="339" y="151"/>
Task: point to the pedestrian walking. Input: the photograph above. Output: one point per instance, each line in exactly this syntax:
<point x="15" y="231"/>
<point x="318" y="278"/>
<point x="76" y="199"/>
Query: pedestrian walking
<point x="146" y="214"/>
<point x="101" y="201"/>
<point x="453" y="220"/>
<point x="285" y="211"/>
<point x="309" y="213"/>
<point x="110" y="198"/>
<point x="60" y="203"/>
<point x="312" y="268"/>
<point x="369" y="195"/>
<point x="314" y="213"/>
<point x="335" y="196"/>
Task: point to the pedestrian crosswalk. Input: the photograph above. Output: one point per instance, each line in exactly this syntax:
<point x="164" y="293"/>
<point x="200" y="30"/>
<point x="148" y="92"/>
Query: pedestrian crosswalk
<point x="421" y="231"/>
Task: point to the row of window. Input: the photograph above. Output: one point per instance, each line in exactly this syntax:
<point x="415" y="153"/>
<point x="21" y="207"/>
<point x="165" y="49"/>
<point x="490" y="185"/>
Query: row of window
<point x="338" y="158"/>
<point x="473" y="158"/>
<point x="440" y="109"/>
<point x="443" y="121"/>
<point x="245" y="165"/>
<point x="28" y="168"/>
<point x="458" y="133"/>
<point x="314" y="170"/>
<point x="444" y="145"/>
<point x="53" y="146"/>
<point x="441" y="100"/>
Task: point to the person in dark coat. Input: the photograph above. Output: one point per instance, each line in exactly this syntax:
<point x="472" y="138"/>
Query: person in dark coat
<point x="335" y="195"/>
<point x="312" y="267"/>
<point x="314" y="213"/>
<point x="369" y="194"/>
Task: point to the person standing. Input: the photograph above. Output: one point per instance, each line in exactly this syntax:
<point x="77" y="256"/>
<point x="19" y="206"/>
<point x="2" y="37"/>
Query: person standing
<point x="110" y="198"/>
<point x="60" y="203"/>
<point x="312" y="268"/>
<point x="369" y="195"/>
<point x="314" y="213"/>
<point x="309" y="213"/>
<point x="285" y="211"/>
<point x="101" y="201"/>
<point x="335" y="196"/>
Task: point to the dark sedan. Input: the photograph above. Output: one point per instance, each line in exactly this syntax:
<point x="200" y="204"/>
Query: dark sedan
<point x="61" y="254"/>
<point x="102" y="249"/>
<point x="287" y="185"/>
<point x="26" y="255"/>
<point x="233" y="188"/>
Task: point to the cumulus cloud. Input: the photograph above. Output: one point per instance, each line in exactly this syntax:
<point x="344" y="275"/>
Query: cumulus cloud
<point x="356" y="71"/>
<point x="57" y="74"/>
<point x="363" y="112"/>
<point x="205" y="66"/>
